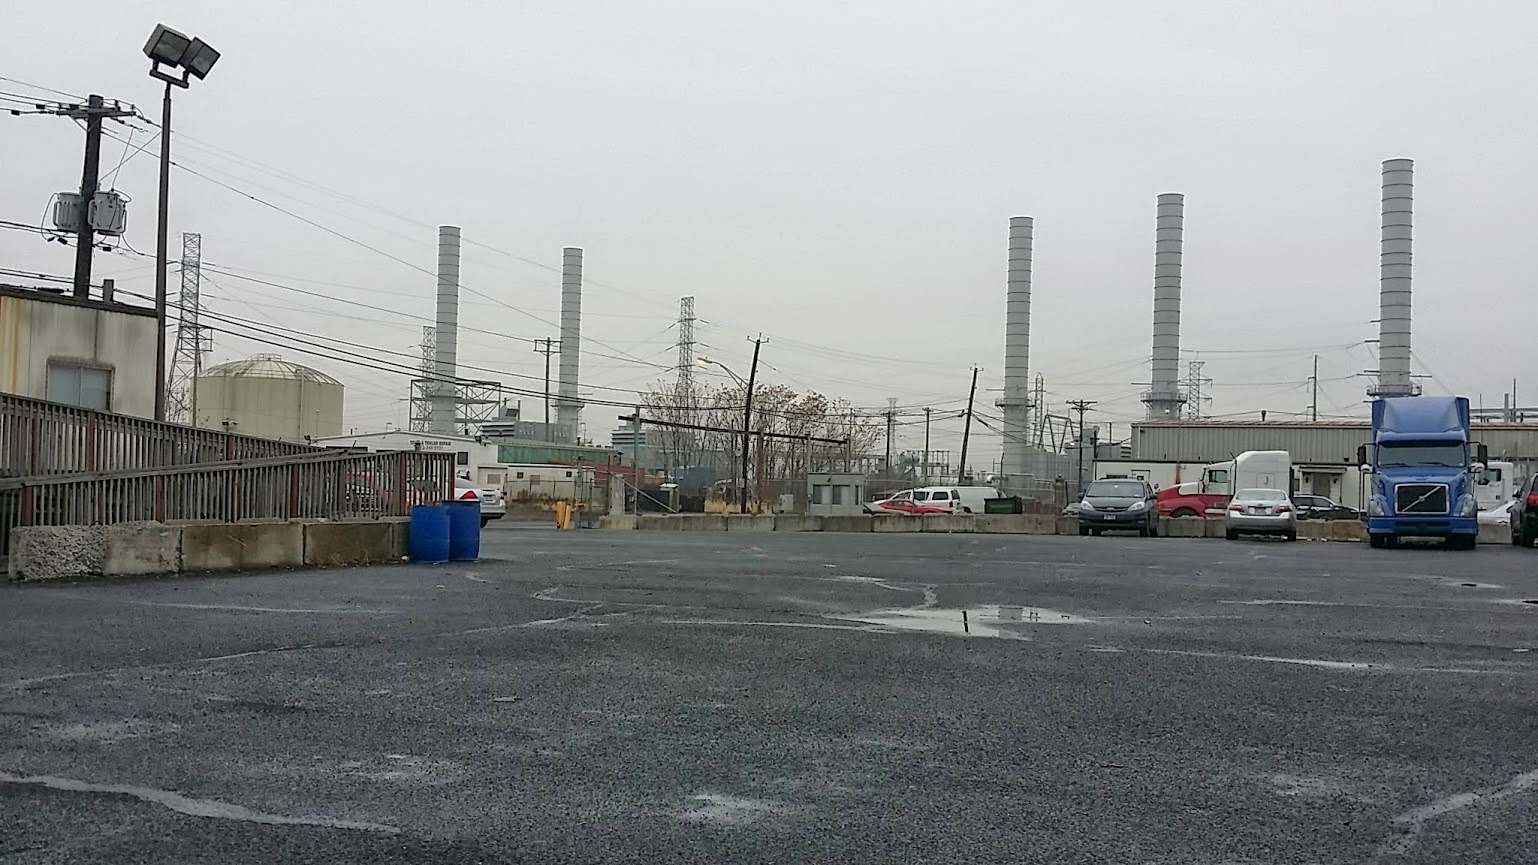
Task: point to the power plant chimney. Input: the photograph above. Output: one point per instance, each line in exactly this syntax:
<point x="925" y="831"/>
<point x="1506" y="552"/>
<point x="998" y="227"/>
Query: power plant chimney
<point x="1015" y="403"/>
<point x="568" y="408"/>
<point x="1394" y="281"/>
<point x="445" y="398"/>
<point x="1164" y="398"/>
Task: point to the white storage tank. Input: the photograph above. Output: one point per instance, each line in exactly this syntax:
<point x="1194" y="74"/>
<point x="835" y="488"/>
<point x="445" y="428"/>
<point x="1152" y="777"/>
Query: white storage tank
<point x="269" y="397"/>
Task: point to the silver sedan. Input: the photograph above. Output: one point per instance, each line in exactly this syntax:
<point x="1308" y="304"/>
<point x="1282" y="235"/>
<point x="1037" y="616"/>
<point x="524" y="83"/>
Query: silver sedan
<point x="1262" y="512"/>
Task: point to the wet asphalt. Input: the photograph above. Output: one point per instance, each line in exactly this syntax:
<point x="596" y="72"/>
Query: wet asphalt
<point x="659" y="697"/>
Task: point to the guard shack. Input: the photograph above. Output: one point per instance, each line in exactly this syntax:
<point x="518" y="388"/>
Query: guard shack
<point x="834" y="495"/>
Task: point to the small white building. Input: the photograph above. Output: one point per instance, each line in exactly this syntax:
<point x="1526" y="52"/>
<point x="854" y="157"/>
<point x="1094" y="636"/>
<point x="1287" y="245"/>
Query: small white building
<point x="478" y="458"/>
<point x="90" y="353"/>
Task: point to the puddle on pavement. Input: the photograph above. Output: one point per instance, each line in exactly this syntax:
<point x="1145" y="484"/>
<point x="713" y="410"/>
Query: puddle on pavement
<point x="988" y="621"/>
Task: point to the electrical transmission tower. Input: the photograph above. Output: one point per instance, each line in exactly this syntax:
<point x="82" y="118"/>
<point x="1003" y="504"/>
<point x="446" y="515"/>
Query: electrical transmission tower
<point x="685" y="346"/>
<point x="682" y="441"/>
<point x="421" y="417"/>
<point x="193" y="340"/>
<point x="1196" y="385"/>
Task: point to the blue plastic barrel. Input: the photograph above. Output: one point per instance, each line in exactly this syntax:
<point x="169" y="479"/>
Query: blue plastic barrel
<point x="428" y="539"/>
<point x="464" y="530"/>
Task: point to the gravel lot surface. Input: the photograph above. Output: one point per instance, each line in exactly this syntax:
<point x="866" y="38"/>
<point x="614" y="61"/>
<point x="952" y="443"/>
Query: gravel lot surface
<point x="785" y="698"/>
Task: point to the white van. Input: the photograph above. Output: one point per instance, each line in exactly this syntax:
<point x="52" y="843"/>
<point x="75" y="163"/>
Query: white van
<point x="962" y="500"/>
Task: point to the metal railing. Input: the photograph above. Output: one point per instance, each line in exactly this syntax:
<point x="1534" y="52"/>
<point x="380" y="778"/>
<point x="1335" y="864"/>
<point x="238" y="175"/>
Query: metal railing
<point x="326" y="486"/>
<point x="38" y="437"/>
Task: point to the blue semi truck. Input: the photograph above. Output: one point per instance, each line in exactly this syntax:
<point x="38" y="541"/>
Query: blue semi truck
<point x="1423" y="471"/>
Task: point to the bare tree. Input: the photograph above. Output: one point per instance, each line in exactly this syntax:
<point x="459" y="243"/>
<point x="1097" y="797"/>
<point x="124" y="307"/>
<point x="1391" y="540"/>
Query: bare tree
<point x="776" y="409"/>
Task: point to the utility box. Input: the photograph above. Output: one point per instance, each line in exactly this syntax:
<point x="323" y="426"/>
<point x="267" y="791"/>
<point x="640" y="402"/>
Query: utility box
<point x="835" y="494"/>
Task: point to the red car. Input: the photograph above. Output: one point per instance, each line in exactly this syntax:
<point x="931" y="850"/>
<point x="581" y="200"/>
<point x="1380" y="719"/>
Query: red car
<point x="904" y="506"/>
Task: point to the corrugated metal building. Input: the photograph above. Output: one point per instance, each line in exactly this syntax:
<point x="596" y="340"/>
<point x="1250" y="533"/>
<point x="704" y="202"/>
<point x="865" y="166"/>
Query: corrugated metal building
<point x="1309" y="442"/>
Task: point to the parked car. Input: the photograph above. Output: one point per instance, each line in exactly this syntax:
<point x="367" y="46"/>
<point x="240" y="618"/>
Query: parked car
<point x="1261" y="512"/>
<point x="1497" y="516"/>
<point x="1320" y="508"/>
<point x="1524" y="513"/>
<point x="493" y="505"/>
<point x="907" y="507"/>
<point x="1123" y="503"/>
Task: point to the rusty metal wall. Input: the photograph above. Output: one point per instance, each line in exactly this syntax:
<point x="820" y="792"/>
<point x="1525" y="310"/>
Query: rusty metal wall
<point x="329" y="486"/>
<point x="38" y="437"/>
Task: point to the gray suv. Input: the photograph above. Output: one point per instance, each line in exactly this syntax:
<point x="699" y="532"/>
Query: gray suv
<point x="1119" y="503"/>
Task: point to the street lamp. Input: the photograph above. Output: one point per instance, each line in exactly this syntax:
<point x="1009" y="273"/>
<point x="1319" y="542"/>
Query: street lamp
<point x="705" y="361"/>
<point x="169" y="51"/>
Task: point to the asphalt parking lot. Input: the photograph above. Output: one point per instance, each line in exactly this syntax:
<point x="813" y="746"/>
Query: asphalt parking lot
<point x="659" y="697"/>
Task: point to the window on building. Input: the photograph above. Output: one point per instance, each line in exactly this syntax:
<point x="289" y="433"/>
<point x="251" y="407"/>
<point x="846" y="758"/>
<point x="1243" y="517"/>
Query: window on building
<point x="520" y="476"/>
<point x="838" y="493"/>
<point x="819" y="494"/>
<point x="494" y="479"/>
<point x="74" y="384"/>
<point x="568" y="474"/>
<point x="462" y="458"/>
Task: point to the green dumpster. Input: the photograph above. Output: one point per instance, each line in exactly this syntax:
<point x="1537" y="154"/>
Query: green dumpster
<point x="1005" y="505"/>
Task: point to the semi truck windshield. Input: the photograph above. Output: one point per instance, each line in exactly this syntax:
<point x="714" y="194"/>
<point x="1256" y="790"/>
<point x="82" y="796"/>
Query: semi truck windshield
<point x="1449" y="454"/>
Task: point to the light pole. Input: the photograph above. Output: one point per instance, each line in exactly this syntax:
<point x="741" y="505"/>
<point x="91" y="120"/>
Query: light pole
<point x="194" y="57"/>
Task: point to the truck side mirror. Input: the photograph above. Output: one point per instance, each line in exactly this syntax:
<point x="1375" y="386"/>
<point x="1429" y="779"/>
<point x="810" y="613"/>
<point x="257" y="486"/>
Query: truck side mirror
<point x="1482" y="454"/>
<point x="1361" y="455"/>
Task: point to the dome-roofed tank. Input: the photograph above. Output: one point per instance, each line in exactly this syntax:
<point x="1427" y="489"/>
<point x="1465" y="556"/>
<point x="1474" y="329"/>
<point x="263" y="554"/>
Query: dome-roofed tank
<point x="269" y="397"/>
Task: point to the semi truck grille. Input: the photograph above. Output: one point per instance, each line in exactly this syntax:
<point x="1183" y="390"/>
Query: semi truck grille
<point x="1420" y="499"/>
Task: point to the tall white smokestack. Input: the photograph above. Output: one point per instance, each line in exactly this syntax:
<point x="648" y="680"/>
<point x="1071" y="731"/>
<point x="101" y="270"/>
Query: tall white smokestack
<point x="445" y="401"/>
<point x="1394" y="281"/>
<point x="1164" y="398"/>
<point x="568" y="408"/>
<point x="1015" y="403"/>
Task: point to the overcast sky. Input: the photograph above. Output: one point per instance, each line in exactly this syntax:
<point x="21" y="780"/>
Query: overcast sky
<point x="838" y="176"/>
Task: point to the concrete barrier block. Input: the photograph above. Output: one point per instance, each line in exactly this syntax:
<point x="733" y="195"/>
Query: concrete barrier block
<point x="749" y="522"/>
<point x="1183" y="527"/>
<point x="1043" y="524"/>
<point x="948" y="523"/>
<point x="332" y="544"/>
<point x="797" y="523"/>
<point x="706" y="522"/>
<point x="242" y="546"/>
<point x="1313" y="530"/>
<point x="658" y="522"/>
<point x="618" y="522"/>
<point x="57" y="552"/>
<point x="400" y="536"/>
<point x="1217" y="528"/>
<point x="1348" y="530"/>
<point x="1067" y="525"/>
<point x="140" y="548"/>
<point x="1002" y="524"/>
<point x="1495" y="534"/>
<point x="895" y="524"/>
<point x="848" y="523"/>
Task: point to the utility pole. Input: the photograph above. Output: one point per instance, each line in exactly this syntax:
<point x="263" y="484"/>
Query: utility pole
<point x="891" y="415"/>
<point x="551" y="346"/>
<point x="1313" y="407"/>
<point x="747" y="420"/>
<point x="966" y="432"/>
<point x="635" y="459"/>
<point x="85" y="242"/>
<point x="1081" y="406"/>
<point x="927" y="410"/>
